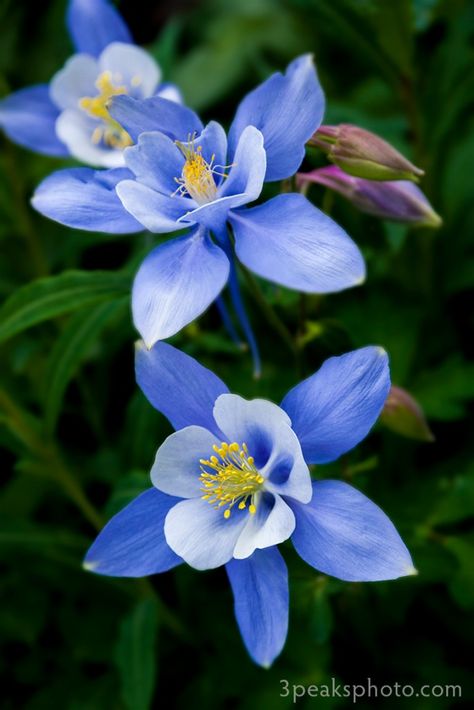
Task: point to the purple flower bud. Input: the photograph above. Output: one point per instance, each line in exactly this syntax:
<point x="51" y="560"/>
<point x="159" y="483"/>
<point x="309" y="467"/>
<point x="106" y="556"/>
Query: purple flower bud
<point x="403" y="415"/>
<point x="364" y="154"/>
<point x="397" y="200"/>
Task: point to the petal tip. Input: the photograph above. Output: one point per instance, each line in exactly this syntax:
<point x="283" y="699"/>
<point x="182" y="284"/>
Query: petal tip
<point x="411" y="571"/>
<point x="90" y="566"/>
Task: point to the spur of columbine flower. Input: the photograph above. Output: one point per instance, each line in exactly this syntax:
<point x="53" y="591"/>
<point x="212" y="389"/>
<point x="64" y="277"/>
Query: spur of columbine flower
<point x="69" y="116"/>
<point x="187" y="176"/>
<point x="233" y="482"/>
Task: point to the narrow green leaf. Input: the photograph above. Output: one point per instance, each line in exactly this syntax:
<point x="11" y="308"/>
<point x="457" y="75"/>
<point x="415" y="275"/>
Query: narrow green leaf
<point x="135" y="655"/>
<point x="71" y="348"/>
<point x="53" y="296"/>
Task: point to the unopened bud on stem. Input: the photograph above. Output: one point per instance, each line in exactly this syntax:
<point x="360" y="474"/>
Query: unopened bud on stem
<point x="364" y="154"/>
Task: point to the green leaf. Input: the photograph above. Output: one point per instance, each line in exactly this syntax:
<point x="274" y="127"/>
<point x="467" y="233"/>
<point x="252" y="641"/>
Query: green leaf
<point x="71" y="348"/>
<point x="462" y="582"/>
<point x="135" y="655"/>
<point x="56" y="295"/>
<point x="444" y="392"/>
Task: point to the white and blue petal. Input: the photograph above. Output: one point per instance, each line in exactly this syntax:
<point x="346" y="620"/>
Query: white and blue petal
<point x="266" y="430"/>
<point x="176" y="283"/>
<point x="200" y="534"/>
<point x="272" y="523"/>
<point x="154" y="114"/>
<point x="133" y="544"/>
<point x="28" y="117"/>
<point x="75" y="81"/>
<point x="177" y="469"/>
<point x="344" y="534"/>
<point x="171" y="92"/>
<point x="261" y="600"/>
<point x="335" y="408"/>
<point x="93" y="24"/>
<point x="289" y="241"/>
<point x="253" y="422"/>
<point x="178" y="386"/>
<point x="156" y="161"/>
<point x="75" y="129"/>
<point x="156" y="211"/>
<point x="132" y="67"/>
<point x="287" y="109"/>
<point x="85" y="199"/>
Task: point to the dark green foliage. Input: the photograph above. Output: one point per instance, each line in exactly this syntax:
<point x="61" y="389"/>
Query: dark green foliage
<point x="79" y="437"/>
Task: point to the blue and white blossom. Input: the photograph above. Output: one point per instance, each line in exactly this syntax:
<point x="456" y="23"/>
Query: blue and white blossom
<point x="233" y="482"/>
<point x="184" y="176"/>
<point x="69" y="116"/>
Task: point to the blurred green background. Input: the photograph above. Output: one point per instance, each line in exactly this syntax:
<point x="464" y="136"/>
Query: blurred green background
<point x="79" y="438"/>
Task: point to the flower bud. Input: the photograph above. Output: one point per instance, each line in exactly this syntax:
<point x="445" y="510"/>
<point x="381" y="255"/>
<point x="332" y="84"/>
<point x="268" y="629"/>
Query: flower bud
<point x="363" y="154"/>
<point x="397" y="200"/>
<point x="403" y="415"/>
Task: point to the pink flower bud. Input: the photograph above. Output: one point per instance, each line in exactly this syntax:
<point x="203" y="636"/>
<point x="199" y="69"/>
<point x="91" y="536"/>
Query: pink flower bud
<point x="403" y="415"/>
<point x="397" y="200"/>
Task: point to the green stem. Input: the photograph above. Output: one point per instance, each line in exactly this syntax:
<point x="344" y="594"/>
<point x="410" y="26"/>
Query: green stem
<point x="49" y="458"/>
<point x="268" y="311"/>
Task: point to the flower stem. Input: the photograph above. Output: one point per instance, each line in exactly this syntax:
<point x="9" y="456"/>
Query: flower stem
<point x="268" y="311"/>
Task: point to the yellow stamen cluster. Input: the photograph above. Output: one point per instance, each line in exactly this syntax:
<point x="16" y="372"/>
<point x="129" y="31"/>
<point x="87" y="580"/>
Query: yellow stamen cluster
<point x="230" y="478"/>
<point x="111" y="132"/>
<point x="197" y="175"/>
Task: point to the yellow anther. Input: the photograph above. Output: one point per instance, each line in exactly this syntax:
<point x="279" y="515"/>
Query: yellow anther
<point x="197" y="175"/>
<point x="111" y="132"/>
<point x="232" y="478"/>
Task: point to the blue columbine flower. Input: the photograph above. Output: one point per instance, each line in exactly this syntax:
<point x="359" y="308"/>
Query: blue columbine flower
<point x="70" y="116"/>
<point x="182" y="175"/>
<point x="233" y="482"/>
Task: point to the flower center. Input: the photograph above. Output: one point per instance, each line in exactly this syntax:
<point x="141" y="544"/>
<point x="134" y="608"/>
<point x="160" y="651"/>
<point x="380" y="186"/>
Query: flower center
<point x="111" y="132"/>
<point x="230" y="478"/>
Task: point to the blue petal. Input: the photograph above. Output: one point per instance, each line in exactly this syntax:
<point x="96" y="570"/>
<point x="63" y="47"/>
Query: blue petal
<point x="336" y="407"/>
<point x="261" y="598"/>
<point x="291" y="242"/>
<point x="156" y="161"/>
<point x="177" y="282"/>
<point x="247" y="173"/>
<point x="85" y="199"/>
<point x="136" y="67"/>
<point x="28" y="117"/>
<point x="265" y="428"/>
<point x="154" y="114"/>
<point x="272" y="523"/>
<point x="133" y="544"/>
<point x="178" y="386"/>
<point x="201" y="535"/>
<point x="93" y="24"/>
<point x="177" y="469"/>
<point x="287" y="109"/>
<point x="342" y="533"/>
<point x="157" y="212"/>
